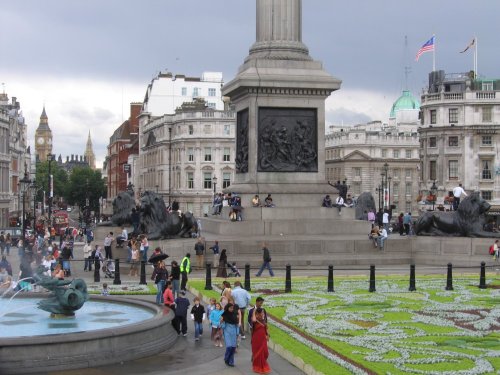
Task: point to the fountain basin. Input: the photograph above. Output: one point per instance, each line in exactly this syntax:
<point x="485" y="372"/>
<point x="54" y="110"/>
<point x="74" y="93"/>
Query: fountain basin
<point x="86" y="346"/>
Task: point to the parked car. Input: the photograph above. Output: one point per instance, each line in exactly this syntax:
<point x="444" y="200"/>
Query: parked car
<point x="15" y="234"/>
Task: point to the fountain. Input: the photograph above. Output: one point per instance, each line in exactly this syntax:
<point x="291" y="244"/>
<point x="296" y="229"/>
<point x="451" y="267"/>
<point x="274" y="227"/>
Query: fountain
<point x="105" y="330"/>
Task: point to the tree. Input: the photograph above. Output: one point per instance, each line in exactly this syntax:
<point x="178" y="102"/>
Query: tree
<point x="85" y="185"/>
<point x="60" y="179"/>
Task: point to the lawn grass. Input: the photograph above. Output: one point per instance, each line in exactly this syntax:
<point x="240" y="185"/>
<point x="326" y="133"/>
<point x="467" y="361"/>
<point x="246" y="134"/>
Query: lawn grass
<point x="392" y="330"/>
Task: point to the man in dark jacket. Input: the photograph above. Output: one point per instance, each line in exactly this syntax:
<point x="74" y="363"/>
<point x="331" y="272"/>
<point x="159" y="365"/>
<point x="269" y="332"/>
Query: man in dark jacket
<point x="181" y="310"/>
<point x="266" y="257"/>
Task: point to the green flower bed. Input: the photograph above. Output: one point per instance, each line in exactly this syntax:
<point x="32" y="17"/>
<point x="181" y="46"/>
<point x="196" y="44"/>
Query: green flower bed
<point x="391" y="331"/>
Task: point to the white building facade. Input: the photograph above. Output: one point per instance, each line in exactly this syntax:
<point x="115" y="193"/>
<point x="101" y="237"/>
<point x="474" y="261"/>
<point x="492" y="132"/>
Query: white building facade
<point x="166" y="92"/>
<point x="180" y="154"/>
<point x="460" y="135"/>
<point x="360" y="155"/>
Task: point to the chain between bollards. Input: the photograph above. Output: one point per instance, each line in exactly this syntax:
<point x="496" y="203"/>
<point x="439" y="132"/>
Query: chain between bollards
<point x="412" y="287"/>
<point x="247" y="277"/>
<point x="449" y="277"/>
<point x="372" y="279"/>
<point x="330" y="279"/>
<point x="288" y="279"/>
<point x="143" y="273"/>
<point x="117" y="280"/>
<point x="482" y="276"/>
<point x="208" y="278"/>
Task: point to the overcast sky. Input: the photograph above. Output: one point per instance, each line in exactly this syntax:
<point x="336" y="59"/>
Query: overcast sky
<point x="86" y="60"/>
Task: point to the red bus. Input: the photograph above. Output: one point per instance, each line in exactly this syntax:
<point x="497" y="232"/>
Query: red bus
<point x="61" y="221"/>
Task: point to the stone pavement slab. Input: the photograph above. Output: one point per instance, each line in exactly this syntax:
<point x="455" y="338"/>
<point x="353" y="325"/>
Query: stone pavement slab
<point x="189" y="357"/>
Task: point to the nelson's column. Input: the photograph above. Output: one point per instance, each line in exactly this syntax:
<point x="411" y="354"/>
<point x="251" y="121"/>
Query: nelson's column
<point x="279" y="94"/>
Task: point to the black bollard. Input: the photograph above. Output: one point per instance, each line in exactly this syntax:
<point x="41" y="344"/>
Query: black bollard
<point x="482" y="276"/>
<point x="97" y="270"/>
<point x="449" y="277"/>
<point x="247" y="277"/>
<point x="117" y="280"/>
<point x="288" y="279"/>
<point x="412" y="287"/>
<point x="330" y="279"/>
<point x="208" y="279"/>
<point x="143" y="274"/>
<point x="372" y="279"/>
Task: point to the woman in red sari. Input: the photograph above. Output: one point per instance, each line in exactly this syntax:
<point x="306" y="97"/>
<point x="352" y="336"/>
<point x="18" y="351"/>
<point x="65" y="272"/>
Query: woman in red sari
<point x="260" y="336"/>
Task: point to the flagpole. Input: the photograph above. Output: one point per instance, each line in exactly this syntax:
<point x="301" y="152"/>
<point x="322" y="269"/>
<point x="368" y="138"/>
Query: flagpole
<point x="475" y="58"/>
<point x="434" y="55"/>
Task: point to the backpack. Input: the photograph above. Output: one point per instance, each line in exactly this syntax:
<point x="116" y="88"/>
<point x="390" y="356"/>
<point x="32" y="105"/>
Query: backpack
<point x="492" y="249"/>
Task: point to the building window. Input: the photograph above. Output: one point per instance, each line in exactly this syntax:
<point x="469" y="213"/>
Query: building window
<point x="453" y="169"/>
<point x="453" y="114"/>
<point x="453" y="141"/>
<point x="408" y="188"/>
<point x="190" y="152"/>
<point x="486" y="170"/>
<point x="432" y="142"/>
<point x="486" y="140"/>
<point x="432" y="170"/>
<point x="487" y="86"/>
<point x="212" y="105"/>
<point x="207" y="129"/>
<point x="356" y="172"/>
<point x="408" y="173"/>
<point x="395" y="173"/>
<point x="191" y="130"/>
<point x="227" y="154"/>
<point x="184" y="91"/>
<point x="395" y="154"/>
<point x="207" y="180"/>
<point x="212" y="92"/>
<point x="487" y="195"/>
<point x="408" y="154"/>
<point x="208" y="154"/>
<point x="356" y="188"/>
<point x="486" y="112"/>
<point x="384" y="153"/>
<point x="227" y="130"/>
<point x="433" y="116"/>
<point x="190" y="180"/>
<point x="196" y="92"/>
<point x="226" y="180"/>
<point x="395" y="190"/>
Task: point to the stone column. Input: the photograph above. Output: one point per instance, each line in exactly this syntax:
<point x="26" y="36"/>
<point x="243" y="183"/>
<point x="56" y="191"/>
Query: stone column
<point x="279" y="30"/>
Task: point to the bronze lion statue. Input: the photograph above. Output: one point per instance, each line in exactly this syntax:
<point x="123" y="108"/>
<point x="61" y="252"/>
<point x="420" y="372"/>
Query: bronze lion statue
<point x="158" y="223"/>
<point x="122" y="208"/>
<point x="467" y="221"/>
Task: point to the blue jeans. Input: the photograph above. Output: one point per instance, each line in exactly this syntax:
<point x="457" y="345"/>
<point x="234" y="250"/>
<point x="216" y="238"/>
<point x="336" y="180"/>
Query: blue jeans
<point x="229" y="355"/>
<point x="265" y="265"/>
<point x="159" y="295"/>
<point x="145" y="254"/>
<point x="198" y="329"/>
<point x="129" y="254"/>
<point x="175" y="287"/>
<point x="381" y="241"/>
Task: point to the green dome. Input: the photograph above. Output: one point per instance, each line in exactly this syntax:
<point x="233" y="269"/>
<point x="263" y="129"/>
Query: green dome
<point x="405" y="101"/>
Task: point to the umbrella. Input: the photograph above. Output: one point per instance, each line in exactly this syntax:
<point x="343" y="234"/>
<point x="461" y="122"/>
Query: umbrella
<point x="157" y="258"/>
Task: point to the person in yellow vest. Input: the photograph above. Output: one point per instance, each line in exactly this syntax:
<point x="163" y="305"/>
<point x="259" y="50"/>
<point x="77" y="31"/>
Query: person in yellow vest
<point x="185" y="269"/>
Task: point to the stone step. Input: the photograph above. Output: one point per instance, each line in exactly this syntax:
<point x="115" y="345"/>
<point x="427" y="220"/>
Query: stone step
<point x="284" y="213"/>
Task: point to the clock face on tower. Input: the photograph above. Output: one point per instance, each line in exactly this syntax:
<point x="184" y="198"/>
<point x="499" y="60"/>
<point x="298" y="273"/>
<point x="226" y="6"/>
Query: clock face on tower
<point x="40" y="140"/>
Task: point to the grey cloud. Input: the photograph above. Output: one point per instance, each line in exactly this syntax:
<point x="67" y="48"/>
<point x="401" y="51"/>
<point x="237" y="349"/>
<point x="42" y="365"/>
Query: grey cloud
<point x="346" y="116"/>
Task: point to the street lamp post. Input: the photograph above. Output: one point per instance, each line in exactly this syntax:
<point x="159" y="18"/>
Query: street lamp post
<point x="379" y="190"/>
<point x="33" y="189"/>
<point x="433" y="194"/>
<point x="385" y="175"/>
<point x="389" y="190"/>
<point x="51" y="191"/>
<point x="214" y="182"/>
<point x="169" y="165"/>
<point x="24" y="184"/>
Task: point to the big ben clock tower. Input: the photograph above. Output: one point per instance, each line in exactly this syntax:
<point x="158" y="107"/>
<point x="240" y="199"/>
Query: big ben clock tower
<point x="43" y="138"/>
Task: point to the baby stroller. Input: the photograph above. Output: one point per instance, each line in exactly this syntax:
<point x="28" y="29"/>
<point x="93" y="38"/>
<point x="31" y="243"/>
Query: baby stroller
<point x="233" y="270"/>
<point x="108" y="267"/>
